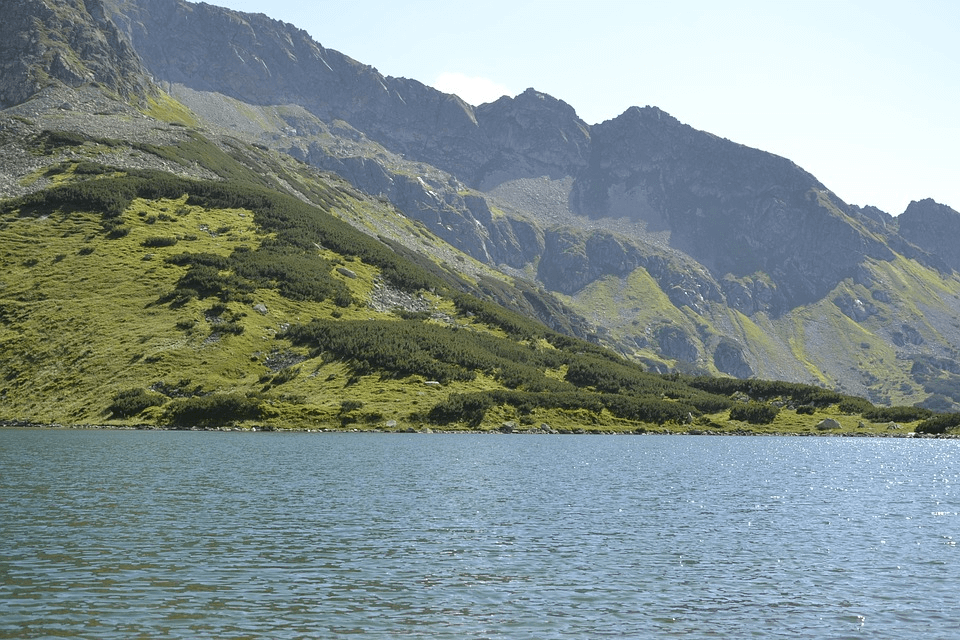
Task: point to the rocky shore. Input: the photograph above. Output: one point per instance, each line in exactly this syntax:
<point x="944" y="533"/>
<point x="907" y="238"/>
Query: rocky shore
<point x="507" y="428"/>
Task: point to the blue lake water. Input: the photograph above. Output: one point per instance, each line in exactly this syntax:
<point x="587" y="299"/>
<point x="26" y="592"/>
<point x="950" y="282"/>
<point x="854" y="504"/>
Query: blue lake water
<point x="120" y="534"/>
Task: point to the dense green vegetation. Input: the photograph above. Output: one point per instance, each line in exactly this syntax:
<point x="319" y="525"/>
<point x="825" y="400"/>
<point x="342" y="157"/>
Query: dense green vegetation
<point x="940" y="424"/>
<point x="764" y="390"/>
<point x="131" y="402"/>
<point x="588" y="406"/>
<point x="437" y="352"/>
<point x="296" y="227"/>
<point x="213" y="410"/>
<point x="754" y="413"/>
<point x="593" y="380"/>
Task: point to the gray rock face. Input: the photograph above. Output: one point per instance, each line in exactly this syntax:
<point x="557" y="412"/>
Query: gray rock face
<point x="934" y="228"/>
<point x="463" y="220"/>
<point x="752" y="294"/>
<point x="531" y="135"/>
<point x="573" y="259"/>
<point x="730" y="358"/>
<point x="908" y="335"/>
<point x="263" y="61"/>
<point x="64" y="41"/>
<point x="675" y="343"/>
<point x="736" y="210"/>
<point x="854" y="308"/>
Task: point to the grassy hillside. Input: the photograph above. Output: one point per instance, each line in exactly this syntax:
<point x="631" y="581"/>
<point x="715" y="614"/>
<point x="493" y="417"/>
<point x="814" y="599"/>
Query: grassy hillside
<point x="139" y="297"/>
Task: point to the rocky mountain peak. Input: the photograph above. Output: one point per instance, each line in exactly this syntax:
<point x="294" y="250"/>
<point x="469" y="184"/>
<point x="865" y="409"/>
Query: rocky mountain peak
<point x="737" y="210"/>
<point x="262" y="61"/>
<point x="934" y="227"/>
<point x="534" y="134"/>
<point x="246" y="56"/>
<point x="928" y="209"/>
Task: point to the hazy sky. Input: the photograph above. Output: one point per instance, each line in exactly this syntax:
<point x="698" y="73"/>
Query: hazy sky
<point x="864" y="94"/>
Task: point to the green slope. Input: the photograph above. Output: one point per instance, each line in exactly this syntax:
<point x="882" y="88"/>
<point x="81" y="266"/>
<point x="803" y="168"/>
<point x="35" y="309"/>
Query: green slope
<point x="143" y="298"/>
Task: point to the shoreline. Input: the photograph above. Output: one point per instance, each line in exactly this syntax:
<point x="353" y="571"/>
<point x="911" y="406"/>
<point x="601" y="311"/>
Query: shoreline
<point x="27" y="424"/>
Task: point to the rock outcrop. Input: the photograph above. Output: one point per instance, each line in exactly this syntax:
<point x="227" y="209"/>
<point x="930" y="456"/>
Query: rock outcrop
<point x="572" y="259"/>
<point x="531" y="135"/>
<point x="70" y="42"/>
<point x="933" y="227"/>
<point x="730" y="358"/>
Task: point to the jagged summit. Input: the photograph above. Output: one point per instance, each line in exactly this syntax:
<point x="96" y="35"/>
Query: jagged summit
<point x="532" y="134"/>
<point x="933" y="226"/>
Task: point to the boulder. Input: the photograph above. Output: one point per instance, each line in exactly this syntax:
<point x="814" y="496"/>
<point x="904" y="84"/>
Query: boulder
<point x="828" y="424"/>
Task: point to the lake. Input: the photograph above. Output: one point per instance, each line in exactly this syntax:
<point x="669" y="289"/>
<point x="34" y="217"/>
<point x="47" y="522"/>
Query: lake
<point x="126" y="534"/>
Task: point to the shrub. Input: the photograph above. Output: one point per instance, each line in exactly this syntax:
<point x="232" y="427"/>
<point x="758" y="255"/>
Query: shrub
<point x="897" y="414"/>
<point x="52" y="140"/>
<point x="131" y="402"/>
<point x="206" y="259"/>
<point x="939" y="424"/>
<point x="762" y="390"/>
<point x="286" y="375"/>
<point x="406" y="314"/>
<point x="347" y="406"/>
<point x="159" y="241"/>
<point x="207" y="281"/>
<point x="233" y="327"/>
<point x="213" y="410"/>
<point x="853" y="406"/>
<point x="754" y="413"/>
<point x="85" y="168"/>
<point x="470" y="408"/>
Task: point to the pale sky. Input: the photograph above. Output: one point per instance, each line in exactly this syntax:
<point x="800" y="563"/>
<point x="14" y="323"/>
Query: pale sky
<point x="863" y="94"/>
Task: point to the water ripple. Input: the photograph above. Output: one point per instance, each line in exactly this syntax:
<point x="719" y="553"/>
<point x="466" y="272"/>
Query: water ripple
<point x="202" y="535"/>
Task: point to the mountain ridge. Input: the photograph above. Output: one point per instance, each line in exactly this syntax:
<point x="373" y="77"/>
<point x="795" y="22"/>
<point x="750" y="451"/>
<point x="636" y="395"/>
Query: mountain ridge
<point x="747" y="264"/>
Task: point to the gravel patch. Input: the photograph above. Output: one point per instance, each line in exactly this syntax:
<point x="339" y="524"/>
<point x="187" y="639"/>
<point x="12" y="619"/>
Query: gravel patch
<point x="87" y="112"/>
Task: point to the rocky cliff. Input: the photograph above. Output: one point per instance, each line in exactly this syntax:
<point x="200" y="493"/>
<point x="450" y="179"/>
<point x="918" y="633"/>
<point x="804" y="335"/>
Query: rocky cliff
<point x="933" y="227"/>
<point x="68" y="42"/>
<point x="531" y="135"/>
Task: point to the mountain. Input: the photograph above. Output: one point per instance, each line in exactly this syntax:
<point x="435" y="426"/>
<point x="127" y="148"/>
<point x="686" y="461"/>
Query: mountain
<point x="680" y="250"/>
